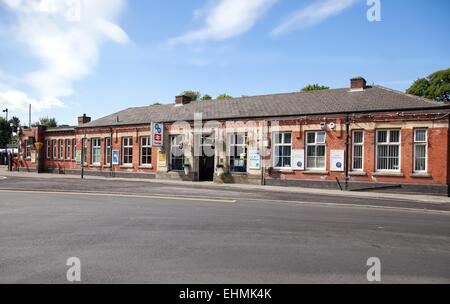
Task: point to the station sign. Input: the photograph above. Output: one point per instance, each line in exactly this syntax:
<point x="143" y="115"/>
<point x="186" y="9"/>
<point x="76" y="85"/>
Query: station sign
<point x="157" y="134"/>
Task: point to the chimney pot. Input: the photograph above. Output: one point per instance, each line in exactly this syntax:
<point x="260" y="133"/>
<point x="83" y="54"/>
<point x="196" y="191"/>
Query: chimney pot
<point x="358" y="84"/>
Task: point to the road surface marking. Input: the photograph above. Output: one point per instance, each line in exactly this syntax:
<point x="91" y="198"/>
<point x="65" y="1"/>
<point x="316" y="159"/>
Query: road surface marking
<point x="179" y="198"/>
<point x="3" y="177"/>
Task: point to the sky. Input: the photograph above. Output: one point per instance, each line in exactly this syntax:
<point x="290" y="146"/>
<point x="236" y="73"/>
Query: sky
<point x="70" y="57"/>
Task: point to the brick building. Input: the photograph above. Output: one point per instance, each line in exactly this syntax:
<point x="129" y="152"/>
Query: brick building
<point x="361" y="137"/>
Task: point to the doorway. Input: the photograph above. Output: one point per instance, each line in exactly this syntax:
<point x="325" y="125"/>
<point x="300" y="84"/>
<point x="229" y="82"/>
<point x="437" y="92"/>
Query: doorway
<point x="207" y="159"/>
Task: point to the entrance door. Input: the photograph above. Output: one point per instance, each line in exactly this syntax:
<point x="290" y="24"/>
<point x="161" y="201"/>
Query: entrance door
<point x="206" y="160"/>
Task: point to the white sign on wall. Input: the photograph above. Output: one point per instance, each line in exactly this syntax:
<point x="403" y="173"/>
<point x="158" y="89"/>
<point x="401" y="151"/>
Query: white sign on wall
<point x="298" y="160"/>
<point x="157" y="134"/>
<point x="337" y="160"/>
<point x="255" y="160"/>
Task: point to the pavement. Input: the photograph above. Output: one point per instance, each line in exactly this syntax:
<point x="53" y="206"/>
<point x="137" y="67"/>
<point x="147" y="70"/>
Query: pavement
<point x="39" y="182"/>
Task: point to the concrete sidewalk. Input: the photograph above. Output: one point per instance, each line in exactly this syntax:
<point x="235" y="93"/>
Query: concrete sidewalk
<point x="260" y="188"/>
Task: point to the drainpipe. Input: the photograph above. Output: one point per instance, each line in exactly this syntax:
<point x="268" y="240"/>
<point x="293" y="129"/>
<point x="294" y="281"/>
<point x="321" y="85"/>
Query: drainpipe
<point x="83" y="153"/>
<point x="111" y="151"/>
<point x="347" y="151"/>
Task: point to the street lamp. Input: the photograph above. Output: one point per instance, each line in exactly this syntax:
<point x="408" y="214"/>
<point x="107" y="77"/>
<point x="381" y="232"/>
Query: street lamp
<point x="6" y="111"/>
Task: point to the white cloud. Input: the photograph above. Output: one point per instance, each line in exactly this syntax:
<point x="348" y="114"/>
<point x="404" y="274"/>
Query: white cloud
<point x="312" y="15"/>
<point x="65" y="37"/>
<point x="227" y="19"/>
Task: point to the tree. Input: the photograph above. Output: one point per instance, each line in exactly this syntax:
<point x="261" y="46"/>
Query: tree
<point x="314" y="87"/>
<point x="194" y="95"/>
<point x="436" y="86"/>
<point x="206" y="97"/>
<point x="224" y="97"/>
<point x="48" y="122"/>
<point x="157" y="104"/>
<point x="5" y="132"/>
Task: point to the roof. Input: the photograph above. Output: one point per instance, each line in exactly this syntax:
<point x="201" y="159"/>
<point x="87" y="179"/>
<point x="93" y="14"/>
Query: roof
<point x="372" y="99"/>
<point x="60" y="129"/>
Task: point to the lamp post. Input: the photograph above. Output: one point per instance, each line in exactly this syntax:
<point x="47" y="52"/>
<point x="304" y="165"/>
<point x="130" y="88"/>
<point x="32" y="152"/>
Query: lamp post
<point x="6" y="111"/>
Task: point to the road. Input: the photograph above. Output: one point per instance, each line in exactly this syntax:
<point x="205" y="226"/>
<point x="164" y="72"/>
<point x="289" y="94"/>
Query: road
<point x="176" y="238"/>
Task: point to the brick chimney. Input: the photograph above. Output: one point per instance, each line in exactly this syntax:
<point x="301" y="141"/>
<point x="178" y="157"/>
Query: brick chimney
<point x="182" y="100"/>
<point x="83" y="120"/>
<point x="358" y="84"/>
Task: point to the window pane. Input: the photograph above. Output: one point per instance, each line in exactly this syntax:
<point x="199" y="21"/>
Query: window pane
<point x="321" y="137"/>
<point x="321" y="151"/>
<point x="382" y="136"/>
<point x="311" y="138"/>
<point x="394" y="136"/>
<point x="358" y="137"/>
<point x="287" y="138"/>
<point x="420" y="158"/>
<point x="420" y="135"/>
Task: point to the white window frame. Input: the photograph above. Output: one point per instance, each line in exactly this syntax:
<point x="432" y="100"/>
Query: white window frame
<point x="128" y="146"/>
<point x="281" y="144"/>
<point x="108" y="151"/>
<point x="420" y="143"/>
<point x="54" y="149"/>
<point x="315" y="144"/>
<point x="60" y="149"/>
<point x="68" y="148"/>
<point x="96" y="151"/>
<point x="232" y="147"/>
<point x="49" y="149"/>
<point x="27" y="150"/>
<point x="355" y="144"/>
<point x="389" y="143"/>
<point x="148" y="147"/>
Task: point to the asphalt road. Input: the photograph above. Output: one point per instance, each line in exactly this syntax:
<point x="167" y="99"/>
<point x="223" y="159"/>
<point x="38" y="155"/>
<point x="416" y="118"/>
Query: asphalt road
<point x="164" y="239"/>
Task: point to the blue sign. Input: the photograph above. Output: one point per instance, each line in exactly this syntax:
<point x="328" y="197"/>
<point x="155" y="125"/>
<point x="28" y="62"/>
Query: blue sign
<point x="115" y="157"/>
<point x="299" y="164"/>
<point x="339" y="165"/>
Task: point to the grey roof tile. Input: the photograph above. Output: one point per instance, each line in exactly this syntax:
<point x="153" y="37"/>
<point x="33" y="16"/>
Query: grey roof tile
<point x="374" y="99"/>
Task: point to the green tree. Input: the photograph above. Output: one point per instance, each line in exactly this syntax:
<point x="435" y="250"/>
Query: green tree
<point x="224" y="97"/>
<point x="436" y="86"/>
<point x="314" y="87"/>
<point x="157" y="104"/>
<point x="5" y="133"/>
<point x="48" y="122"/>
<point x="194" y="95"/>
<point x="206" y="97"/>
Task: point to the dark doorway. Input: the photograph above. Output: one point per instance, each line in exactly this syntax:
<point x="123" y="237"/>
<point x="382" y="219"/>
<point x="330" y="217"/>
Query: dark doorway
<point x="206" y="161"/>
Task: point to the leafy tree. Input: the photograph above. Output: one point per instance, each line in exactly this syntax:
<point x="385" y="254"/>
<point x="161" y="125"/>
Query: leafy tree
<point x="48" y="122"/>
<point x="5" y="132"/>
<point x="157" y="104"/>
<point x="224" y="96"/>
<point x="436" y="86"/>
<point x="314" y="87"/>
<point x="206" y="97"/>
<point x="194" y="95"/>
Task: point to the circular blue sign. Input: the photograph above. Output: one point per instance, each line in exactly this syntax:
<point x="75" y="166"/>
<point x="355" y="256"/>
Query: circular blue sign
<point x="299" y="164"/>
<point x="339" y="165"/>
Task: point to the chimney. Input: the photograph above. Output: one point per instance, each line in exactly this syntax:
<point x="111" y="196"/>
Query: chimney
<point x="358" y="84"/>
<point x="182" y="100"/>
<point x="83" y="120"/>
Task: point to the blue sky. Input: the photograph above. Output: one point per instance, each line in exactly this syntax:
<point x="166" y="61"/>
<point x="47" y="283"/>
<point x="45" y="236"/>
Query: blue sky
<point x="121" y="53"/>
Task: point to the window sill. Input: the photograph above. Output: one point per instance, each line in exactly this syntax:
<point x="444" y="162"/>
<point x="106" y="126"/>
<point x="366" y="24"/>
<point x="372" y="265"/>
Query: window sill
<point x="421" y="175"/>
<point x="357" y="173"/>
<point x="318" y="172"/>
<point x="126" y="167"/>
<point x="146" y="167"/>
<point x="281" y="170"/>
<point x="388" y="174"/>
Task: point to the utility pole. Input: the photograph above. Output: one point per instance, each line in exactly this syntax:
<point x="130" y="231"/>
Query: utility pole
<point x="83" y="153"/>
<point x="347" y="152"/>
